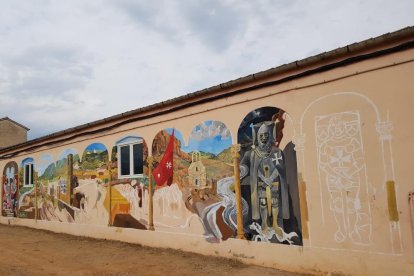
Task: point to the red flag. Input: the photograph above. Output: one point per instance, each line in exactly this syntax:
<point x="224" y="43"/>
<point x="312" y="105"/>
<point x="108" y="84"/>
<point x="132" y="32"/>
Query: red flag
<point x="165" y="168"/>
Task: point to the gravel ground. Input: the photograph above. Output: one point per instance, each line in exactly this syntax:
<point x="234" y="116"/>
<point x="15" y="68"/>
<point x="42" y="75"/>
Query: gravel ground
<point x="26" y="251"/>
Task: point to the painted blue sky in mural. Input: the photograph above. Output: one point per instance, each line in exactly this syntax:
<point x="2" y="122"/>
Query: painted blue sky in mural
<point x="66" y="152"/>
<point x="209" y="136"/>
<point x="213" y="145"/>
<point x="96" y="147"/>
<point x="27" y="160"/>
<point x="177" y="134"/>
<point x="44" y="161"/>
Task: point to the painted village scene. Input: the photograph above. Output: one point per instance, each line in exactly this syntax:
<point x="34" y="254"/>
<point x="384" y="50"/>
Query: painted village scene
<point x="69" y="190"/>
<point x="193" y="183"/>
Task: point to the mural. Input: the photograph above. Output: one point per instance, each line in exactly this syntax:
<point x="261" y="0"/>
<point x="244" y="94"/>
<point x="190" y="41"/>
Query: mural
<point x="199" y="198"/>
<point x="87" y="195"/>
<point x="171" y="209"/>
<point x="72" y="190"/>
<point x="27" y="190"/>
<point x="10" y="190"/>
<point x="196" y="193"/>
<point x="128" y="202"/>
<point x="54" y="186"/>
<point x="211" y="180"/>
<point x="269" y="179"/>
<point x="45" y="167"/>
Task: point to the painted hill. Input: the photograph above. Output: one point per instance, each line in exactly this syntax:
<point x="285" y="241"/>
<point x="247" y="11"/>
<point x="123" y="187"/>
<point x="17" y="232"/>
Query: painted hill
<point x="204" y="155"/>
<point x="225" y="156"/>
<point x="217" y="166"/>
<point x="94" y="160"/>
<point x="54" y="170"/>
<point x="160" y="144"/>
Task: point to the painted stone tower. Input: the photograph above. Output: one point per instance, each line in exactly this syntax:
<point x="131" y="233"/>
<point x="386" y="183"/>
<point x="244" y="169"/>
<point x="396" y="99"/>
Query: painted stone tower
<point x="197" y="172"/>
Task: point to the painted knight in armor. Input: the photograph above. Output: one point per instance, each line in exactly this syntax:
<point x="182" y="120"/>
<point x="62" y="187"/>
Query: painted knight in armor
<point x="264" y="164"/>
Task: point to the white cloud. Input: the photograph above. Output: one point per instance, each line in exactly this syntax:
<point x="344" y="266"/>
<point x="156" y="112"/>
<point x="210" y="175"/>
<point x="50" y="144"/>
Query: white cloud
<point x="210" y="129"/>
<point x="68" y="63"/>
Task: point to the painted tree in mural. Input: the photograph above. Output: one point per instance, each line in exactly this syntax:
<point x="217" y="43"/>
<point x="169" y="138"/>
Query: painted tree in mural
<point x="267" y="177"/>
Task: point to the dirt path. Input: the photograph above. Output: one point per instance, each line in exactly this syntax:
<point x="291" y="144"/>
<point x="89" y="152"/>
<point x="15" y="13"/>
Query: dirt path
<point x="26" y="251"/>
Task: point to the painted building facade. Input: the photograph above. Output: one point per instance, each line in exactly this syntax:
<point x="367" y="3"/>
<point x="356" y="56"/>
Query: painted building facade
<point x="305" y="167"/>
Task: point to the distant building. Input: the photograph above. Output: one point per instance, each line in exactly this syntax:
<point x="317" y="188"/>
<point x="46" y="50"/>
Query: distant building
<point x="11" y="133"/>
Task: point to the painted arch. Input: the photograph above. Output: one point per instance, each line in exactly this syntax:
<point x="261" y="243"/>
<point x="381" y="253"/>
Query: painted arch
<point x="129" y="193"/>
<point x="26" y="189"/>
<point x="10" y="189"/>
<point x="268" y="176"/>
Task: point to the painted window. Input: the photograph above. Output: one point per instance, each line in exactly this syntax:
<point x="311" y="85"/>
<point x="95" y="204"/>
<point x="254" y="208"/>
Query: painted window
<point x="28" y="172"/>
<point x="131" y="153"/>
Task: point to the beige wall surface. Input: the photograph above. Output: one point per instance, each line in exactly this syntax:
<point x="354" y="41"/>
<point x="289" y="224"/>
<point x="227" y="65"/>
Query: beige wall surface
<point x="11" y="134"/>
<point x="353" y="135"/>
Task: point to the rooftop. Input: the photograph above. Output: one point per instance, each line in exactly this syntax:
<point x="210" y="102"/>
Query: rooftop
<point x="14" y="122"/>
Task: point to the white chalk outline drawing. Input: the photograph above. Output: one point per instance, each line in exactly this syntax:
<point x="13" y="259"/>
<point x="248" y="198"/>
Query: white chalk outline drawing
<point x="342" y="174"/>
<point x="385" y="138"/>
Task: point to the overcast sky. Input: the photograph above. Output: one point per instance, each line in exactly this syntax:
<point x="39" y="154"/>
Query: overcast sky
<point x="65" y="63"/>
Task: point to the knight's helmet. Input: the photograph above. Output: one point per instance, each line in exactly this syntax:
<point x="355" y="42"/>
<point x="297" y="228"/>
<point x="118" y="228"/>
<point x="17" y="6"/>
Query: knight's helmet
<point x="264" y="127"/>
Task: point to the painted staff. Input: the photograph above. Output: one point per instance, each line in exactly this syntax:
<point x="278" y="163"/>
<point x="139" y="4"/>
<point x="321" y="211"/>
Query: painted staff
<point x="236" y="155"/>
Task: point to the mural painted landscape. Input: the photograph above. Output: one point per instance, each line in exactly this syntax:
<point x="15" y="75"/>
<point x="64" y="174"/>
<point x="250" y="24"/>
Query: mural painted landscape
<point x="199" y="169"/>
<point x="197" y="197"/>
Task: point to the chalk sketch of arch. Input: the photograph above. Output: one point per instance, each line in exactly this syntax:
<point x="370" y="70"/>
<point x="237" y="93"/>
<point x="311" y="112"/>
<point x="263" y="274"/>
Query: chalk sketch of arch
<point x="302" y="136"/>
<point x="373" y="105"/>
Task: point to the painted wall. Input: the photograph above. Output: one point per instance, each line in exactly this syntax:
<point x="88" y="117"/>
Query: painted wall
<point x="321" y="158"/>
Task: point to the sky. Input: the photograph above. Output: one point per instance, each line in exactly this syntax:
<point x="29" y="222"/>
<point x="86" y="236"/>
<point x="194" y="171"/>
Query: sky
<point x="66" y="63"/>
<point x="209" y="136"/>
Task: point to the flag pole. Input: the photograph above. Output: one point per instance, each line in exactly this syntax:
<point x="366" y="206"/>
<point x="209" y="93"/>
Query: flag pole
<point x="150" y="193"/>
